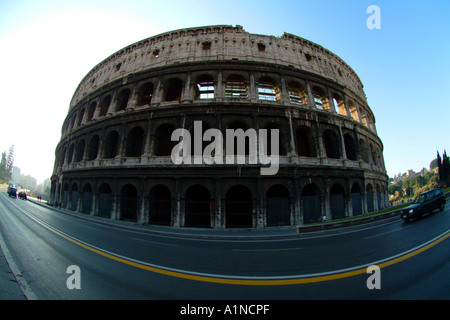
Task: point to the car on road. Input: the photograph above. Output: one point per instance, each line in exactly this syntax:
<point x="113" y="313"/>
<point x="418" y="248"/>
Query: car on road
<point x="22" y="195"/>
<point x="12" y="192"/>
<point x="424" y="203"/>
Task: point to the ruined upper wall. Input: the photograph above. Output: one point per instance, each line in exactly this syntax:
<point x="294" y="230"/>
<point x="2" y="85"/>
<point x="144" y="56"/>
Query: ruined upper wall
<point x="218" y="43"/>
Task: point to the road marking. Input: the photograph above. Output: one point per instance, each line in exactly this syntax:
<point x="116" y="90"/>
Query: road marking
<point x="156" y="242"/>
<point x="385" y="233"/>
<point x="241" y="280"/>
<point x="282" y="249"/>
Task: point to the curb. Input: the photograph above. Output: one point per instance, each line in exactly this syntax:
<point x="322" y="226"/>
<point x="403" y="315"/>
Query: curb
<point x="287" y="232"/>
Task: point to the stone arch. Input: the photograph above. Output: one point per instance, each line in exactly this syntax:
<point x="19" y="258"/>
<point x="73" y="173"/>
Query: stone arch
<point x="204" y="87"/>
<point x="331" y="144"/>
<point x="173" y="90"/>
<point x="93" y="148"/>
<point x="74" y="197"/>
<point x="283" y="143"/>
<point x="86" y="199"/>
<point x="198" y="207"/>
<point x="104" y="105"/>
<point x="278" y="206"/>
<point x="163" y="144"/>
<point x="337" y="202"/>
<point x="104" y="201"/>
<point x="122" y="99"/>
<point x="160" y="205"/>
<point x="305" y="142"/>
<point x="370" y="198"/>
<point x="111" y="145"/>
<point x="239" y="207"/>
<point x="79" y="155"/>
<point x="297" y="94"/>
<point x="350" y="147"/>
<point x="134" y="142"/>
<point x="236" y="87"/>
<point x="311" y="204"/>
<point x="128" y="203"/>
<point x="320" y="98"/>
<point x="145" y="94"/>
<point x="356" y="194"/>
<point x="267" y="89"/>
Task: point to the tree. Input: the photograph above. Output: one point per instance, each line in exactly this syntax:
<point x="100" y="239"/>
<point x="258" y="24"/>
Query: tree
<point x="444" y="169"/>
<point x="6" y="165"/>
<point x="3" y="168"/>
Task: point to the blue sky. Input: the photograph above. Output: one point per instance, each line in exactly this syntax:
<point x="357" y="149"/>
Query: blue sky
<point x="47" y="47"/>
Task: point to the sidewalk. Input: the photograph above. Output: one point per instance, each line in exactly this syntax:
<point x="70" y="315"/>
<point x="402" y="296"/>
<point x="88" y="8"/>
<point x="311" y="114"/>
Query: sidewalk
<point x="272" y="233"/>
<point x="10" y="289"/>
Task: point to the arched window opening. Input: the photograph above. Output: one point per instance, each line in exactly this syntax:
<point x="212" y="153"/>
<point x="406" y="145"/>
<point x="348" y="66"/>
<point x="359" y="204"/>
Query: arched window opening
<point x="104" y="105"/>
<point x="173" y="90"/>
<point x="145" y="94"/>
<point x="122" y="99"/>
<point x="239" y="207"/>
<point x="163" y="142"/>
<point x="306" y="146"/>
<point x="93" y="148"/>
<point x="283" y="143"/>
<point x="160" y="206"/>
<point x="267" y="91"/>
<point x="337" y="202"/>
<point x="353" y="110"/>
<point x="364" y="119"/>
<point x="65" y="195"/>
<point x="247" y="141"/>
<point x="204" y="144"/>
<point x="72" y="125"/>
<point x="331" y="144"/>
<point x="204" y="88"/>
<point x="81" y="117"/>
<point x="236" y="88"/>
<point x="91" y="111"/>
<point x="111" y="148"/>
<point x="356" y="200"/>
<point x="128" y="203"/>
<point x="134" y="142"/>
<point x="311" y="204"/>
<point x="350" y="147"/>
<point x="63" y="159"/>
<point x="86" y="199"/>
<point x="71" y="150"/>
<point x="369" y="195"/>
<point x="74" y="198"/>
<point x="373" y="154"/>
<point x="320" y="101"/>
<point x="339" y="105"/>
<point x="104" y="202"/>
<point x="363" y="151"/>
<point x="297" y="94"/>
<point x="278" y="206"/>
<point x="80" y="151"/>
<point x="198" y="207"/>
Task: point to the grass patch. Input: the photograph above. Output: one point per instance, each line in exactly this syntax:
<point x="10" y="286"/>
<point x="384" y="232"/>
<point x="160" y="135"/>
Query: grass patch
<point x="362" y="215"/>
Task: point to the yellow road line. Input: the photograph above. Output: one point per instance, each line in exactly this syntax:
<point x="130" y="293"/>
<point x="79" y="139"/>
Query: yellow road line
<point x="248" y="281"/>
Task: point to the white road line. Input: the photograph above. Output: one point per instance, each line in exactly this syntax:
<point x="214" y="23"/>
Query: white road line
<point x="283" y="249"/>
<point x="156" y="242"/>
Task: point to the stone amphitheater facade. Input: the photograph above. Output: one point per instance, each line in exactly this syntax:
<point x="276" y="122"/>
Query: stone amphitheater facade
<point x="113" y="159"/>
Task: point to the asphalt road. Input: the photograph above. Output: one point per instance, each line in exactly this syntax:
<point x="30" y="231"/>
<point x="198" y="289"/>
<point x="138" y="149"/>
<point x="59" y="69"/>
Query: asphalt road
<point x="121" y="263"/>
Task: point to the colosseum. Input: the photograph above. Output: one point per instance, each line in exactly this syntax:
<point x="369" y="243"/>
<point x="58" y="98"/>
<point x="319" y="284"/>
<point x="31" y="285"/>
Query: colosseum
<point x="114" y="156"/>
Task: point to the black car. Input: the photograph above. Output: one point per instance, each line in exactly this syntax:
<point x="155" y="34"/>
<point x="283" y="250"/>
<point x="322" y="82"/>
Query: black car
<point x="12" y="192"/>
<point x="22" y="195"/>
<point x="424" y="203"/>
